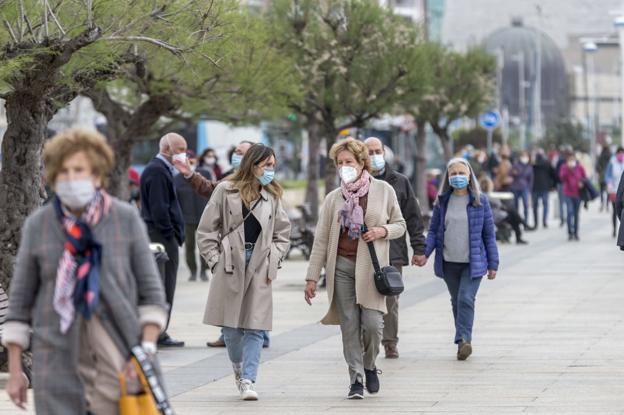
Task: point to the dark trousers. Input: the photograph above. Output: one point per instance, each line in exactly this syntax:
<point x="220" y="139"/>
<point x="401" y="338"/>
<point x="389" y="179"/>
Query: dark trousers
<point x="171" y="269"/>
<point x="190" y="245"/>
<point x="543" y="196"/>
<point x="522" y="195"/>
<point x="573" y="207"/>
<point x="391" y="320"/>
<point x="463" y="289"/>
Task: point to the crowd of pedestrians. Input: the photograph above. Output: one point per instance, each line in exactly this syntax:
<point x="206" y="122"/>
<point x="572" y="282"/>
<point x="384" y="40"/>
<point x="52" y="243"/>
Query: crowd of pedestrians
<point x="87" y="279"/>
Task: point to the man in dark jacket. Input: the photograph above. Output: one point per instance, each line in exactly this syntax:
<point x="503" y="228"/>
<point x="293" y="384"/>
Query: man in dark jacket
<point x="192" y="205"/>
<point x="619" y="209"/>
<point x="398" y="247"/>
<point x="544" y="180"/>
<point x="161" y="212"/>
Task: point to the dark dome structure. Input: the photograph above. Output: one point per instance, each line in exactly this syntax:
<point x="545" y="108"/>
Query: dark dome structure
<point x="517" y="44"/>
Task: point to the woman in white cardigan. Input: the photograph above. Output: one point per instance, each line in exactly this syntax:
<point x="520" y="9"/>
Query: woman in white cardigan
<point x="340" y="248"/>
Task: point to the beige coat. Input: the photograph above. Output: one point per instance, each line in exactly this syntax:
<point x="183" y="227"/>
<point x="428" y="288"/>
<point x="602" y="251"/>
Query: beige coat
<point x="237" y="297"/>
<point x="382" y="210"/>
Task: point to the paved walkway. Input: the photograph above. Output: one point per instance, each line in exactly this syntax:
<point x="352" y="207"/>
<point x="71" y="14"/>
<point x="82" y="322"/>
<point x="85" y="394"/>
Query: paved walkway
<point x="548" y="339"/>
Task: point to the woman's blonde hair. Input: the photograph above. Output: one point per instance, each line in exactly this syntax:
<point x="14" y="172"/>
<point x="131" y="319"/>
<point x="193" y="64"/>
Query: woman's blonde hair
<point x="76" y="140"/>
<point x="245" y="180"/>
<point x="353" y="146"/>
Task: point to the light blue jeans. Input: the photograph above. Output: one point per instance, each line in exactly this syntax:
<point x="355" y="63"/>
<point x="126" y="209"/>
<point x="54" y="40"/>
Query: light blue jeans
<point x="245" y="345"/>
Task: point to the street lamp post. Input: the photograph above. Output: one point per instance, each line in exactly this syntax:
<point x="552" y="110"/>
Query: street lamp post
<point x="589" y="51"/>
<point x="619" y="24"/>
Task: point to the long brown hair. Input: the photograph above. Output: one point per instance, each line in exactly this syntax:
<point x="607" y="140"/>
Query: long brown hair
<point x="245" y="180"/>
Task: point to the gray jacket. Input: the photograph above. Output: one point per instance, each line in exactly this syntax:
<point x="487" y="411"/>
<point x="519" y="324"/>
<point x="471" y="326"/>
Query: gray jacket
<point x="131" y="295"/>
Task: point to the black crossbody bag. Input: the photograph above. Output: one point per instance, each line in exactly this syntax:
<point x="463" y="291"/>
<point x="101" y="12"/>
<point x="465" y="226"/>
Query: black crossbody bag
<point x="388" y="280"/>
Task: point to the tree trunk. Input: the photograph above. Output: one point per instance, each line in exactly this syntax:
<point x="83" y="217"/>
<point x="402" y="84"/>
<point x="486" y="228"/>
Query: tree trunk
<point x="331" y="177"/>
<point x="445" y="140"/>
<point x="118" y="185"/>
<point x="420" y="176"/>
<point x="21" y="189"/>
<point x="314" y="150"/>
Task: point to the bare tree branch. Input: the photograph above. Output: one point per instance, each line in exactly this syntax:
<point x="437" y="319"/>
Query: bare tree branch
<point x="173" y="49"/>
<point x="58" y="24"/>
<point x="10" y="29"/>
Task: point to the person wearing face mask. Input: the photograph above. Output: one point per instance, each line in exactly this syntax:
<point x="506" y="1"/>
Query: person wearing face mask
<point x="522" y="174"/>
<point x="463" y="236"/>
<point x="410" y="209"/>
<point x="160" y="209"/>
<point x="340" y="247"/>
<point x="612" y="177"/>
<point x="204" y="186"/>
<point x="544" y="181"/>
<point x="208" y="163"/>
<point x="571" y="175"/>
<point x="90" y="291"/>
<point x="244" y="235"/>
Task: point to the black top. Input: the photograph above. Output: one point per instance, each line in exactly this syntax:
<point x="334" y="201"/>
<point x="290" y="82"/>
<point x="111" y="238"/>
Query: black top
<point x="410" y="208"/>
<point x="160" y="208"/>
<point x="252" y="227"/>
<point x="191" y="202"/>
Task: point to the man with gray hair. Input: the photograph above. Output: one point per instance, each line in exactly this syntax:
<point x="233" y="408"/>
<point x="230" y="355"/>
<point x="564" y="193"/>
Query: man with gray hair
<point x="161" y="212"/>
<point x="398" y="247"/>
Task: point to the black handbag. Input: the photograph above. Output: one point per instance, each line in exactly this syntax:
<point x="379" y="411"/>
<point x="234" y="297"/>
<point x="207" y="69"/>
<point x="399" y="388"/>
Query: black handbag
<point x="388" y="280"/>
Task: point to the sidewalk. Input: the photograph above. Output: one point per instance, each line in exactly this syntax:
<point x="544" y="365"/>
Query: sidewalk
<point x="548" y="339"/>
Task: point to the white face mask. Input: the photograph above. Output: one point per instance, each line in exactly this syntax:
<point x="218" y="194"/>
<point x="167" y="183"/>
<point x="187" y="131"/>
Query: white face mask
<point x="179" y="157"/>
<point x="524" y="160"/>
<point x="348" y="174"/>
<point x="210" y="161"/>
<point x="75" y="194"/>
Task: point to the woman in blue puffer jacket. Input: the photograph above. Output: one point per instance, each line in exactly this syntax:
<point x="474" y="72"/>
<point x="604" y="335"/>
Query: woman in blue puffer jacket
<point x="462" y="234"/>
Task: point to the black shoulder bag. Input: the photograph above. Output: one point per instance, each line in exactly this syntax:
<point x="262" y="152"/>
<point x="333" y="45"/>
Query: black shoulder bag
<point x="388" y="280"/>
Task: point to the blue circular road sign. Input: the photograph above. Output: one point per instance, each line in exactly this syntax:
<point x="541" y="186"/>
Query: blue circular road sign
<point x="490" y="119"/>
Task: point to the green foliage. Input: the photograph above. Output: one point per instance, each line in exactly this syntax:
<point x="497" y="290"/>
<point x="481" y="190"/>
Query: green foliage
<point x="457" y="85"/>
<point x="566" y="133"/>
<point x="477" y="137"/>
<point x="351" y="57"/>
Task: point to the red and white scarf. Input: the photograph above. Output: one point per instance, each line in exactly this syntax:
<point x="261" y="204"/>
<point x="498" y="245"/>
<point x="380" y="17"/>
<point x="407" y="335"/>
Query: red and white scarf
<point x="352" y="214"/>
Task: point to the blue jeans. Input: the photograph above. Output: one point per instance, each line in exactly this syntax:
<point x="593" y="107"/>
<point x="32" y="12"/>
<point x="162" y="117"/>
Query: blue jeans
<point x="524" y="196"/>
<point x="463" y="289"/>
<point x="574" y="205"/>
<point x="244" y="347"/>
<point x="543" y="196"/>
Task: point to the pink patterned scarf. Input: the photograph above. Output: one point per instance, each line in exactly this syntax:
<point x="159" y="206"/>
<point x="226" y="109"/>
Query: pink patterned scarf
<point x="352" y="214"/>
<point x="77" y="275"/>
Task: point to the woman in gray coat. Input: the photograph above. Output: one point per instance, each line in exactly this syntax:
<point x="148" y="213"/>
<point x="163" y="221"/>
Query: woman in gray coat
<point x="243" y="235"/>
<point x="85" y="284"/>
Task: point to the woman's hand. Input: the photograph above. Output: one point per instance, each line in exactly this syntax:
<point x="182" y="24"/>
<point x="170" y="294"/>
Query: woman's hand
<point x="17" y="388"/>
<point x="419" y="260"/>
<point x="130" y="372"/>
<point x="377" y="232"/>
<point x="491" y="274"/>
<point x="310" y="291"/>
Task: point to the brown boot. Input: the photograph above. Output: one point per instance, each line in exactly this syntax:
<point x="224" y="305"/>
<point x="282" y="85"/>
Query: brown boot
<point x="216" y="343"/>
<point x="391" y="351"/>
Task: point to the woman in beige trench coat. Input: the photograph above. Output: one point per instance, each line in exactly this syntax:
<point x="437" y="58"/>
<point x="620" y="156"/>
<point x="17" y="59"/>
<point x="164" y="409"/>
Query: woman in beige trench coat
<point x="340" y="247"/>
<point x="243" y="235"/>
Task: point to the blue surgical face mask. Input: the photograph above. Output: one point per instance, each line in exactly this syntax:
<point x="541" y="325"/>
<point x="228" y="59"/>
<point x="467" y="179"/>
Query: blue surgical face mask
<point x="267" y="177"/>
<point x="377" y="162"/>
<point x="458" y="182"/>
<point x="236" y="160"/>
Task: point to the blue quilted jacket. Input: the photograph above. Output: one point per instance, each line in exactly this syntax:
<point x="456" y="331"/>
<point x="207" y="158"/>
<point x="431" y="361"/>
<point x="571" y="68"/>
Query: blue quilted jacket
<point x="483" y="251"/>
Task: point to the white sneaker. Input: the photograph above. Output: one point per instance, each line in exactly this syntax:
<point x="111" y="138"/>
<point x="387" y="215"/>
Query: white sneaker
<point x="247" y="392"/>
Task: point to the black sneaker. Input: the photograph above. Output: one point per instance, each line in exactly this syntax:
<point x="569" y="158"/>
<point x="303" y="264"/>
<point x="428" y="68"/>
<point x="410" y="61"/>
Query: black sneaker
<point x="464" y="349"/>
<point x="372" y="380"/>
<point x="356" y="391"/>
